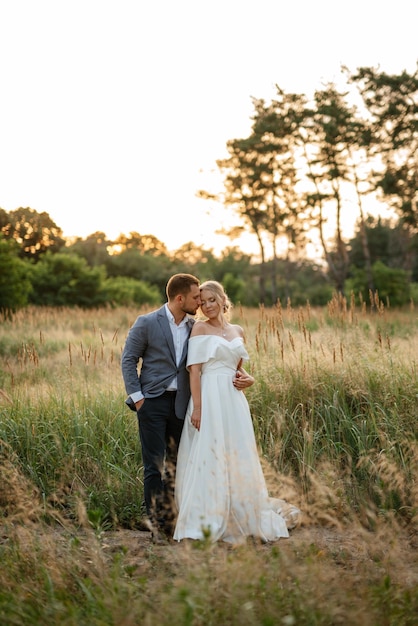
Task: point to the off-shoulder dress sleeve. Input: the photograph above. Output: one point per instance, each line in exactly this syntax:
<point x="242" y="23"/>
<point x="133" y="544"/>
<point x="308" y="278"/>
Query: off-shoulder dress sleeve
<point x="201" y="349"/>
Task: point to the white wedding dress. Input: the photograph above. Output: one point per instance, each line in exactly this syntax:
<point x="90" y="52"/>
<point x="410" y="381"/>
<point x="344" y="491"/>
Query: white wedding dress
<point x="220" y="486"/>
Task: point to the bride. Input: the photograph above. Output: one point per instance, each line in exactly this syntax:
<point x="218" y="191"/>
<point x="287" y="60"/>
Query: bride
<point x="220" y="487"/>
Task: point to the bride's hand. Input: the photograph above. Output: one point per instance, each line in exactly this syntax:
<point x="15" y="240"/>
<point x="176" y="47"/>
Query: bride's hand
<point x="195" y="419"/>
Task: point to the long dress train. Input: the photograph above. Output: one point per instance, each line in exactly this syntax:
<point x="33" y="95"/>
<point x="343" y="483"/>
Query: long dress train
<point x="220" y="486"/>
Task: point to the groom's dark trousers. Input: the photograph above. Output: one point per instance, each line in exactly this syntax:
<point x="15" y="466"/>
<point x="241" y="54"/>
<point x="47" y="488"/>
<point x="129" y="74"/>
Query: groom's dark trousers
<point x="160" y="432"/>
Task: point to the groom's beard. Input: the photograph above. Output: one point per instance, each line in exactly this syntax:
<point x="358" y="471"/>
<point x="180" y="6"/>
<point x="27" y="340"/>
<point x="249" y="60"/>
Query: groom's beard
<point x="190" y="311"/>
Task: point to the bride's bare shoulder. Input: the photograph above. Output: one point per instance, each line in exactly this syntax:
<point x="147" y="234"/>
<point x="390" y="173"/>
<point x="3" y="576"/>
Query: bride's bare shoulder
<point x="199" y="328"/>
<point x="238" y="331"/>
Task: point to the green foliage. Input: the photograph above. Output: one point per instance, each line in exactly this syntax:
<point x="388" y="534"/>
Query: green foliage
<point x="35" y="232"/>
<point x="16" y="347"/>
<point x="380" y="236"/>
<point x="392" y="104"/>
<point x="295" y="166"/>
<point x="231" y="261"/>
<point x="391" y="243"/>
<point x="145" y="267"/>
<point x="66" y="280"/>
<point x="302" y="282"/>
<point x="93" y="248"/>
<point x="195" y="260"/>
<point x="15" y="285"/>
<point x="335" y="414"/>
<point x="317" y="293"/>
<point x="84" y="451"/>
<point x="234" y="287"/>
<point x="392" y="285"/>
<point x="125" y="291"/>
<point x="414" y="293"/>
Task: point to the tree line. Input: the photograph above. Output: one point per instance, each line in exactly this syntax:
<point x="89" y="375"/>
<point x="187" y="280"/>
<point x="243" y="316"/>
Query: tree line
<point x="304" y="159"/>
<point x="39" y="266"/>
<point x="330" y="154"/>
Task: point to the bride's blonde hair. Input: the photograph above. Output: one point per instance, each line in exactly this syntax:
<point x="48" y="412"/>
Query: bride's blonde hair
<point x="220" y="295"/>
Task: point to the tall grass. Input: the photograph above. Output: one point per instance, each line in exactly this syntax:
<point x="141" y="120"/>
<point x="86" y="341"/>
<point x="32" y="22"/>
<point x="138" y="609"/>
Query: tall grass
<point x="335" y="411"/>
<point x="343" y="395"/>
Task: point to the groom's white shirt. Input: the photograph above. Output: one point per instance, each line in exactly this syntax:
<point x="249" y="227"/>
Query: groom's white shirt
<point x="180" y="335"/>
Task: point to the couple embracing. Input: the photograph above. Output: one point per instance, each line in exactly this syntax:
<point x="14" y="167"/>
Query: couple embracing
<point x="202" y="473"/>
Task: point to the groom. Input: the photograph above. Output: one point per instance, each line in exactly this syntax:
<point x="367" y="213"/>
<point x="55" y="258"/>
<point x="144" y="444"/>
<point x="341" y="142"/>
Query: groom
<point x="160" y="392"/>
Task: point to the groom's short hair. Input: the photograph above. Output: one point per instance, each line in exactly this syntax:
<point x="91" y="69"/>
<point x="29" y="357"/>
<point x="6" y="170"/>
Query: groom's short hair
<point x="180" y="284"/>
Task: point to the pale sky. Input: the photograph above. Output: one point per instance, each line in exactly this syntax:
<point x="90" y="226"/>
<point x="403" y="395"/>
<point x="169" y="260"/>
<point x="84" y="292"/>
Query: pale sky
<point x="114" y="112"/>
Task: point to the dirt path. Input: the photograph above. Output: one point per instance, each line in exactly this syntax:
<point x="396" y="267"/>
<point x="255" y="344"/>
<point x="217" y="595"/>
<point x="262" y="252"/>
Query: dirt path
<point x="356" y="552"/>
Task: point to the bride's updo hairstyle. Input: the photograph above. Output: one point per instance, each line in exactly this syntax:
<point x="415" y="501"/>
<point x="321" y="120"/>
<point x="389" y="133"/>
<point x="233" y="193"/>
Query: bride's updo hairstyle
<point x="220" y="295"/>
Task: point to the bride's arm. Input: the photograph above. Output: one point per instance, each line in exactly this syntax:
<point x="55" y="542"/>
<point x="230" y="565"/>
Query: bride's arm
<point x="195" y="371"/>
<point x="242" y="378"/>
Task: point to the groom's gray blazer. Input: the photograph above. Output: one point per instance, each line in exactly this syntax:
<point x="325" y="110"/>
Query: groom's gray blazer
<point x="150" y="339"/>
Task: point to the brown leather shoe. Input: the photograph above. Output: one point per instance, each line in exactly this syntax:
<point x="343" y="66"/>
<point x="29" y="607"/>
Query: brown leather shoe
<point x="158" y="538"/>
<point x="144" y="525"/>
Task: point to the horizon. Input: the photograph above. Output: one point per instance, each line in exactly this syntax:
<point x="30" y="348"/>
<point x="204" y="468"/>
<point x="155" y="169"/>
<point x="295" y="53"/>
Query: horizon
<point x="114" y="114"/>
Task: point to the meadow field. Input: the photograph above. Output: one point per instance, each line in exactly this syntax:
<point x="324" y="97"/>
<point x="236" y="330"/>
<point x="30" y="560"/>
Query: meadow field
<point x="335" y="411"/>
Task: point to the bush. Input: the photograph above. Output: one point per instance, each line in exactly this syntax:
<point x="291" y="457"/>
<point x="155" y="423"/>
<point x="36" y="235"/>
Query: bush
<point x="15" y="285"/>
<point x="66" y="280"/>
<point x="392" y="285"/>
<point x="414" y="292"/>
<point x="126" y="291"/>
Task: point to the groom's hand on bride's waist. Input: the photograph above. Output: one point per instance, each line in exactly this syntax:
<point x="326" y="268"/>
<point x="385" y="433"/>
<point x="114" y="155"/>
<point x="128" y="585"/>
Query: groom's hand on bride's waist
<point x="242" y="379"/>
